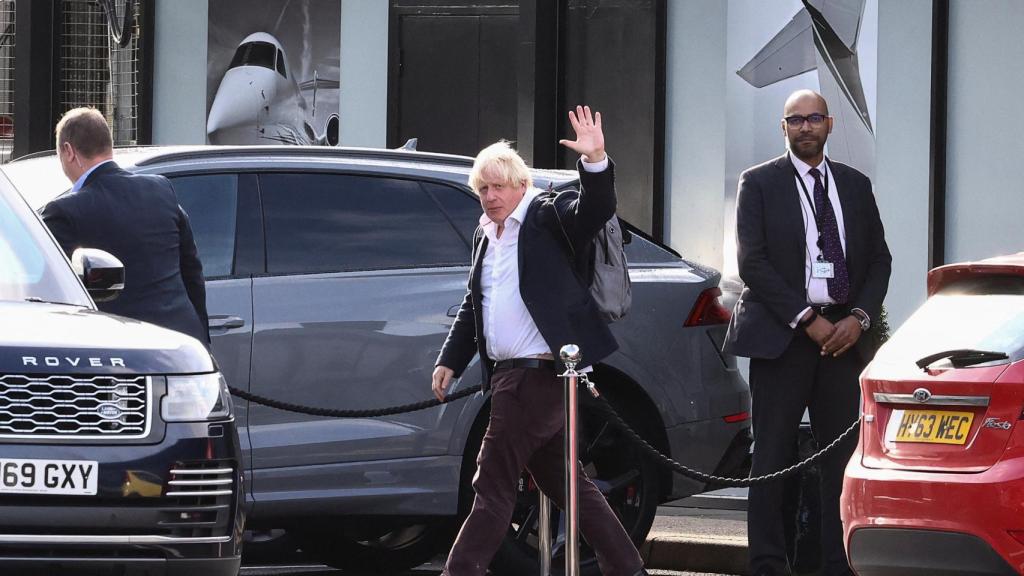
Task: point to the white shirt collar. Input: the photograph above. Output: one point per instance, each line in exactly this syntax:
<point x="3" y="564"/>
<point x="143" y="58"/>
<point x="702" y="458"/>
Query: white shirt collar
<point x="803" y="168"/>
<point x="519" y="214"/>
<point x="81" y="179"/>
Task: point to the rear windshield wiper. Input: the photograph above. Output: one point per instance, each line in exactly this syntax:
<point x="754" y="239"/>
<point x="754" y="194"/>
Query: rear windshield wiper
<point x="41" y="301"/>
<point x="961" y="357"/>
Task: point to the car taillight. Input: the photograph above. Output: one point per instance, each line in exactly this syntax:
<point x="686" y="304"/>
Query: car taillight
<point x="708" y="310"/>
<point x="738" y="417"/>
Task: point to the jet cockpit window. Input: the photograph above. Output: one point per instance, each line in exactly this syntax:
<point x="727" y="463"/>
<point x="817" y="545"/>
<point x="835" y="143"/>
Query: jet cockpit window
<point x="280" y="64"/>
<point x="255" y="54"/>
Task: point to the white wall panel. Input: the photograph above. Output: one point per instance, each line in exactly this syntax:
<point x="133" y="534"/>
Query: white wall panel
<point x="985" y="195"/>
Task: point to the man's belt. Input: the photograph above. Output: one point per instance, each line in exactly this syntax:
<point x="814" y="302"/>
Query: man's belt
<point x="511" y="363"/>
<point x="832" y="312"/>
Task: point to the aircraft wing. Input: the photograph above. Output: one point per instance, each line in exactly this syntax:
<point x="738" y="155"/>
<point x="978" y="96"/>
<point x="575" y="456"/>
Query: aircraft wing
<point x="789" y="53"/>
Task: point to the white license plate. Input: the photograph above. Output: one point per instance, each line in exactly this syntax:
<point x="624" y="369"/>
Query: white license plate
<point x="63" y="477"/>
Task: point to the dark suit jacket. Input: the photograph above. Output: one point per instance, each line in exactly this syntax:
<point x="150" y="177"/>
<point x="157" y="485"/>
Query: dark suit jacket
<point x="771" y="249"/>
<point x="553" y="278"/>
<point x="137" y="219"/>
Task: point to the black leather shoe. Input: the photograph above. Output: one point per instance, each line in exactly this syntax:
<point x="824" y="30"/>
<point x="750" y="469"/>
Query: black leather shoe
<point x="642" y="572"/>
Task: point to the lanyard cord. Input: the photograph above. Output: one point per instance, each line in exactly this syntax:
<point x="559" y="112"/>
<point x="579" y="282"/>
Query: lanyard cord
<point x="810" y="202"/>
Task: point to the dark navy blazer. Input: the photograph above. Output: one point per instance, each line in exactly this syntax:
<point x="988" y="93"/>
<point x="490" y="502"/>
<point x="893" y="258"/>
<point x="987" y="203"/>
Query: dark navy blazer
<point x="553" y="277"/>
<point x="137" y="218"/>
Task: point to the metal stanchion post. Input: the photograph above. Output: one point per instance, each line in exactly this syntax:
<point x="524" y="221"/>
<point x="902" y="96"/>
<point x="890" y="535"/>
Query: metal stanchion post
<point x="544" y="533"/>
<point x="570" y="355"/>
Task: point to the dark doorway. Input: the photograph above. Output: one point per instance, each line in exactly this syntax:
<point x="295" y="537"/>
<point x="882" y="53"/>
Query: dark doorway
<point x="454" y="77"/>
<point x="611" y="53"/>
<point x="462" y="77"/>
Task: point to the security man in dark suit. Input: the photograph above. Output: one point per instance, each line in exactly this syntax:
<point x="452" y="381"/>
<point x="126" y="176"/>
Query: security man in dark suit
<point x="525" y="301"/>
<point x="134" y="217"/>
<point x="815" y="265"/>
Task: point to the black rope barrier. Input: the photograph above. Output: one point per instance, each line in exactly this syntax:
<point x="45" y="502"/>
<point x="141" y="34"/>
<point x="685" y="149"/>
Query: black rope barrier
<point x="602" y="406"/>
<point x="333" y="413"/>
<point x="650" y="451"/>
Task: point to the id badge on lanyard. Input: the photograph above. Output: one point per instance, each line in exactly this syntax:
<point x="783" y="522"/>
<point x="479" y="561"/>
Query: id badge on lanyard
<point x="822" y="269"/>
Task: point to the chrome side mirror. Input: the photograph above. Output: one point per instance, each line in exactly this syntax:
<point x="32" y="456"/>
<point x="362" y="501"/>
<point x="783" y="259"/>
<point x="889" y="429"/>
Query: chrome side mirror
<point x="101" y="273"/>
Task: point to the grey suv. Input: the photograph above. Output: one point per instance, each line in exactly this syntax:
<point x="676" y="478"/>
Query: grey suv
<point x="333" y="278"/>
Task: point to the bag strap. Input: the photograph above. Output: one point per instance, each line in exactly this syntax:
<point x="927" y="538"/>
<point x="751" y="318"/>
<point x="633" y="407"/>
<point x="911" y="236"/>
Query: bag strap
<point x="568" y="241"/>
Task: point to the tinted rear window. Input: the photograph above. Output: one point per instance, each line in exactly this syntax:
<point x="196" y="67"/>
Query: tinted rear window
<point x="332" y="222"/>
<point x="980" y="313"/>
<point x="640" y="250"/>
<point x="461" y="207"/>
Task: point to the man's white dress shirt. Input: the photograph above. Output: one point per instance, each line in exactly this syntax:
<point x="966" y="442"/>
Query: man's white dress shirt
<point x="508" y="327"/>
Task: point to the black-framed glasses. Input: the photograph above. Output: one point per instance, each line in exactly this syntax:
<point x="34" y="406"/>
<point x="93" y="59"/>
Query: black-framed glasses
<point x="796" y="120"/>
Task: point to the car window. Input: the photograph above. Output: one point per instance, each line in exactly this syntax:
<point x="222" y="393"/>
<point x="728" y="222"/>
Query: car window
<point x="640" y="250"/>
<point x="982" y="313"/>
<point x="461" y="207"/>
<point x="211" y="202"/>
<point x="334" y="222"/>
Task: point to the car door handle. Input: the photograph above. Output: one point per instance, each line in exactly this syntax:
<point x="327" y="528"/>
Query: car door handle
<point x="225" y="322"/>
<point x="454" y="310"/>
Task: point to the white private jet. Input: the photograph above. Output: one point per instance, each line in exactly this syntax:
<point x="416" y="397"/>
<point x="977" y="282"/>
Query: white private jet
<point x="260" y="102"/>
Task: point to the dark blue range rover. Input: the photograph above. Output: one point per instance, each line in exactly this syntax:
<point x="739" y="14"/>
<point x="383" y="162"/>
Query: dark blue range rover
<point x="118" y="447"/>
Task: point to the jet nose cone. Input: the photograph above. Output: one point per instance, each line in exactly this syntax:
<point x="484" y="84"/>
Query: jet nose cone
<point x="243" y="96"/>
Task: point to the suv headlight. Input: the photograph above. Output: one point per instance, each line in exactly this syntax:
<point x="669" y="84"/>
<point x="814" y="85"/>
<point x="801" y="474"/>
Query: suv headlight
<point x="196" y="398"/>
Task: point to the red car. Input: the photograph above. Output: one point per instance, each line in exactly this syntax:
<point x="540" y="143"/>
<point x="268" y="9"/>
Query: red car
<point x="936" y="486"/>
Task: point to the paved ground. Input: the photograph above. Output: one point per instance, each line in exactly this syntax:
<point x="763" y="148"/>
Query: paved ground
<point x="686" y="539"/>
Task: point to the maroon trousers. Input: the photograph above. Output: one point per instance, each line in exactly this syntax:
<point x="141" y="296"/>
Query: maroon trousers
<point x="526" y="431"/>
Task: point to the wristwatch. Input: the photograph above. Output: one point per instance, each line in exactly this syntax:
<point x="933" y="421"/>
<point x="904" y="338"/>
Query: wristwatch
<point x="862" y="317"/>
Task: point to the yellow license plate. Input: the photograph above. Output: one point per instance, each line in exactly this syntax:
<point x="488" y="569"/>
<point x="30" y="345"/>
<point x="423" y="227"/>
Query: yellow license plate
<point x="930" y="426"/>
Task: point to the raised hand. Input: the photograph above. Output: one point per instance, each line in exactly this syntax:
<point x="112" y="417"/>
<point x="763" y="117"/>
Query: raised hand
<point x="589" y="141"/>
